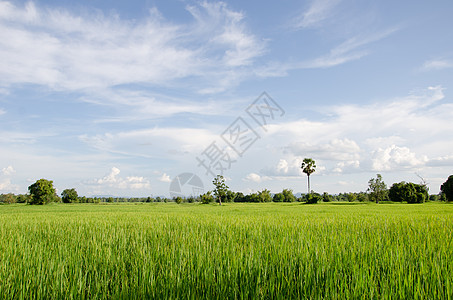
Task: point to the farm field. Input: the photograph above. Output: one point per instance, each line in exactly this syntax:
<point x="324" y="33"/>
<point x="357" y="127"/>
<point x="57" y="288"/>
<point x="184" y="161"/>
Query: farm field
<point x="272" y="250"/>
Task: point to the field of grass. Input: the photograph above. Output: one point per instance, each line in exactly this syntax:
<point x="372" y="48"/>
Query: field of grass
<point x="287" y="250"/>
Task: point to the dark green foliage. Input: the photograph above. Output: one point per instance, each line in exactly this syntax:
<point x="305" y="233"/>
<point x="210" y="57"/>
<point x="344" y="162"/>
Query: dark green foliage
<point x="285" y="196"/>
<point x="178" y="200"/>
<point x="23" y="198"/>
<point x="42" y="192"/>
<point x="409" y="192"/>
<point x="313" y="198"/>
<point x="289" y="196"/>
<point x="447" y="188"/>
<point x="351" y="197"/>
<point x="279" y="197"/>
<point x="239" y="197"/>
<point x="206" y="198"/>
<point x="377" y="189"/>
<point x="396" y="192"/>
<point x="326" y="197"/>
<point x="254" y="198"/>
<point x="230" y="196"/>
<point x="362" y="197"/>
<point x="69" y="196"/>
<point x="264" y="196"/>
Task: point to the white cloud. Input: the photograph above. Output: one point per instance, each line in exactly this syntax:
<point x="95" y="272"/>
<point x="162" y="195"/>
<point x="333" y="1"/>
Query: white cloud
<point x="437" y="64"/>
<point x="256" y="178"/>
<point x="165" y="178"/>
<point x="114" y="181"/>
<point x="2" y="112"/>
<point x="60" y="49"/>
<point x="404" y="133"/>
<point x="5" y="182"/>
<point x="318" y="12"/>
<point x="8" y="171"/>
<point x="352" y="49"/>
<point x="7" y="186"/>
<point x="111" y="177"/>
<point x="394" y="158"/>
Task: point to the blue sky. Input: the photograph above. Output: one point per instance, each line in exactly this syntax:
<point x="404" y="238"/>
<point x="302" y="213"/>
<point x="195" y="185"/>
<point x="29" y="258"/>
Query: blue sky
<point x="118" y="98"/>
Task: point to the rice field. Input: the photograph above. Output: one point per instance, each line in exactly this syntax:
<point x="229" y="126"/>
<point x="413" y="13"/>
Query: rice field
<point x="259" y="251"/>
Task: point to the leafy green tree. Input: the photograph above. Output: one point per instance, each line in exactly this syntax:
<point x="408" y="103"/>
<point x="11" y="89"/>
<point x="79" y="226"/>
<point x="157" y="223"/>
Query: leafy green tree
<point x="409" y="192"/>
<point x="289" y="196"/>
<point x="265" y="196"/>
<point x="397" y="192"/>
<point x="312" y="198"/>
<point x="362" y="197"/>
<point x="42" y="192"/>
<point x="206" y="198"/>
<point x="230" y="196"/>
<point x="220" y="188"/>
<point x="308" y="167"/>
<point x="326" y="197"/>
<point x="178" y="200"/>
<point x="279" y="197"/>
<point x="69" y="196"/>
<point x="23" y="198"/>
<point x="351" y="197"/>
<point x="421" y="192"/>
<point x="8" y="198"/>
<point x="377" y="189"/>
<point x="447" y="188"/>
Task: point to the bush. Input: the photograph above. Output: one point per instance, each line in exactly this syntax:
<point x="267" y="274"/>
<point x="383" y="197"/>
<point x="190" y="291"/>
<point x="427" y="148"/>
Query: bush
<point x="312" y="198"/>
<point x="206" y="198"/>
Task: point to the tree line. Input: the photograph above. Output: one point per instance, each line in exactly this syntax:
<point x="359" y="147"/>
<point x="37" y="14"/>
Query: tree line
<point x="43" y="192"/>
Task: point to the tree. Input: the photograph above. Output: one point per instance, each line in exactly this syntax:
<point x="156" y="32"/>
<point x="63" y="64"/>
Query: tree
<point x="312" y="198"/>
<point x="279" y="197"/>
<point x="409" y="192"/>
<point x="8" y="198"/>
<point x="396" y="192"/>
<point x="377" y="188"/>
<point x="289" y="196"/>
<point x="206" y="198"/>
<point x="308" y="167"/>
<point x="326" y="197"/>
<point x="69" y="196"/>
<point x="265" y="196"/>
<point x="447" y="188"/>
<point x="220" y="188"/>
<point x="42" y="192"/>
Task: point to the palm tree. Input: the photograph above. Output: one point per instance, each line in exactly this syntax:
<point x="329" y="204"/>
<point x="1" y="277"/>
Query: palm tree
<point x="308" y="167"/>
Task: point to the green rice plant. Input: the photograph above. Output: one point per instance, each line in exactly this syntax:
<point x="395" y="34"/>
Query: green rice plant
<point x="272" y="250"/>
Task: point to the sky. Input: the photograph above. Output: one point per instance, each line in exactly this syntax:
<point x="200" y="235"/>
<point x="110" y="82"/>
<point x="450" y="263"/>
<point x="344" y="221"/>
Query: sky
<point x="121" y="98"/>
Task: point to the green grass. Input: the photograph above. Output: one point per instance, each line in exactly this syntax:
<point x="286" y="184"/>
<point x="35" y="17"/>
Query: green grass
<point x="269" y="251"/>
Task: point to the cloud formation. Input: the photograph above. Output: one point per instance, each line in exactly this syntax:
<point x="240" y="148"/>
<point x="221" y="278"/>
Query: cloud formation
<point x="58" y="49"/>
<point x="316" y="13"/>
<point x="113" y="181"/>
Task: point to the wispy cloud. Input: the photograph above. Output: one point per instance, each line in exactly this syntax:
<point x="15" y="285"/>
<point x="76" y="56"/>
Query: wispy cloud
<point x="437" y="64"/>
<point x="59" y="49"/>
<point x="352" y="49"/>
<point x="315" y="14"/>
